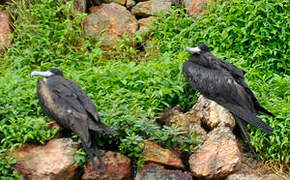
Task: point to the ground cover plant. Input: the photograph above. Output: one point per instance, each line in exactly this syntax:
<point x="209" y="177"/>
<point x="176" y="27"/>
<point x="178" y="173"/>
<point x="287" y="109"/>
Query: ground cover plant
<point x="130" y="93"/>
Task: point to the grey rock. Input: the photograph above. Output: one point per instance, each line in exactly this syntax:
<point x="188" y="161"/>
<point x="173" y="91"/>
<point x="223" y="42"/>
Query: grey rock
<point x="156" y="172"/>
<point x="130" y="3"/>
<point x="188" y="121"/>
<point x="151" y="8"/>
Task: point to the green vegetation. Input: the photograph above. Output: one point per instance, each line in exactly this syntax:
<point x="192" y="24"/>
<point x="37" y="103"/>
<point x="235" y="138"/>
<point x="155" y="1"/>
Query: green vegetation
<point x="130" y="93"/>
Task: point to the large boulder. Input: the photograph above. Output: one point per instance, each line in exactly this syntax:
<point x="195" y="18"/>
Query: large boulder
<point x="195" y="7"/>
<point x="47" y="162"/>
<point x="157" y="172"/>
<point x="5" y="30"/>
<point x="188" y="122"/>
<point x="218" y="157"/>
<point x="151" y="8"/>
<point x="212" y="114"/>
<point x="117" y="167"/>
<point x="109" y="22"/>
<point x="154" y="153"/>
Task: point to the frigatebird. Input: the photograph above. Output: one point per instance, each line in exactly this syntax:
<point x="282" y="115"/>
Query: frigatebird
<point x="225" y="84"/>
<point x="66" y="103"/>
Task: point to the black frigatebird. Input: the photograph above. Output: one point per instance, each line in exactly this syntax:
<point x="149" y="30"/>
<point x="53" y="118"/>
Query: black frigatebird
<point x="225" y="84"/>
<point x="66" y="103"/>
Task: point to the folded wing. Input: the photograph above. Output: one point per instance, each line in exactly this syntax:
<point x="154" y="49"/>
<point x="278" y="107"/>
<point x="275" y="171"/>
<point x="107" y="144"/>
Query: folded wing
<point x="222" y="88"/>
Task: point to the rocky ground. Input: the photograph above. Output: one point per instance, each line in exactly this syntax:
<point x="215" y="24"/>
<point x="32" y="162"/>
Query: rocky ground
<point x="220" y="154"/>
<point x="112" y="19"/>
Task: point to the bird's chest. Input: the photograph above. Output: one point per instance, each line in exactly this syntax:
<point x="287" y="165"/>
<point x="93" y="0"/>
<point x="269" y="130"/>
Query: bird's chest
<point x="48" y="99"/>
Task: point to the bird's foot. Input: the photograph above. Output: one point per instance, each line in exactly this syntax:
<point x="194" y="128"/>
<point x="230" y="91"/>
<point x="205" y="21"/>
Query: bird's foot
<point x="96" y="153"/>
<point x="255" y="155"/>
<point x="103" y="167"/>
<point x="102" y="170"/>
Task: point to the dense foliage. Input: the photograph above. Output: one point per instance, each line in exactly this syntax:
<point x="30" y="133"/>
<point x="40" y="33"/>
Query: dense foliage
<point x="130" y="93"/>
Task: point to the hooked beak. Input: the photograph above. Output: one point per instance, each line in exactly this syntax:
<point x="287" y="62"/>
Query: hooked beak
<point x="41" y="73"/>
<point x="193" y="50"/>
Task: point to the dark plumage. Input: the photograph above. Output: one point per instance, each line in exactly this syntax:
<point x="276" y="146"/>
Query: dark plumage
<point x="224" y="83"/>
<point x="66" y="103"/>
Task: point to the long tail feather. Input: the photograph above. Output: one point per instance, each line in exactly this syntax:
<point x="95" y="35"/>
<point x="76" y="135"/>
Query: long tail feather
<point x="263" y="110"/>
<point x="101" y="128"/>
<point x="246" y="136"/>
<point x="249" y="117"/>
<point x="258" y="106"/>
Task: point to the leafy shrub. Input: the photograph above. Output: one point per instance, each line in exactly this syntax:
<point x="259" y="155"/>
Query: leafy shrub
<point x="255" y="30"/>
<point x="253" y="35"/>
